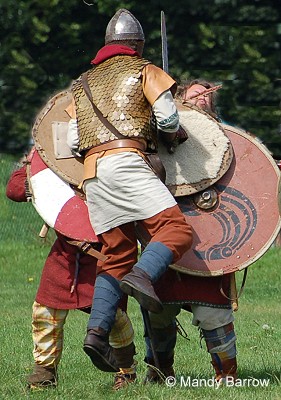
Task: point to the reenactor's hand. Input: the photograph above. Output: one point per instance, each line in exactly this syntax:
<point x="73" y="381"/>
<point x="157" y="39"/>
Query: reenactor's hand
<point x="172" y="140"/>
<point x="181" y="135"/>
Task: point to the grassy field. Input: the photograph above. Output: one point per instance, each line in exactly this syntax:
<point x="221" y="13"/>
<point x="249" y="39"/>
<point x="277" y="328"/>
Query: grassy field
<point x="257" y="324"/>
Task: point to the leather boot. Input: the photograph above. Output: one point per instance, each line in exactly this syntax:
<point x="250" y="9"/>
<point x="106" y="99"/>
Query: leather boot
<point x="124" y="356"/>
<point x="127" y="366"/>
<point x="42" y="377"/>
<point x="97" y="347"/>
<point x="225" y="369"/>
<point x="138" y="284"/>
<point x="155" y="375"/>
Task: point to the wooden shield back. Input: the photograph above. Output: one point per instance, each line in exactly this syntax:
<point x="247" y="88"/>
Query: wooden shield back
<point x="49" y="134"/>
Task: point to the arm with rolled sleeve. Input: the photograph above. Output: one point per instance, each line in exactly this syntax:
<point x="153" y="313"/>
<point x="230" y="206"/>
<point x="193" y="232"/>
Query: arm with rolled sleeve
<point x="72" y="135"/>
<point x="159" y="88"/>
<point x="166" y="113"/>
<point x="72" y="139"/>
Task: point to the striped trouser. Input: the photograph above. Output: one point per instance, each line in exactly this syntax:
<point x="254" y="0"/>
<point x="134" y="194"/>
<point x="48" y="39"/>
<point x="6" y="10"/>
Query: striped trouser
<point x="47" y="333"/>
<point x="221" y="342"/>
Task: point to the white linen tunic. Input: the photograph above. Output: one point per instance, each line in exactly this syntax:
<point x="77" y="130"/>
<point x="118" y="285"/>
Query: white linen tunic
<point x="124" y="190"/>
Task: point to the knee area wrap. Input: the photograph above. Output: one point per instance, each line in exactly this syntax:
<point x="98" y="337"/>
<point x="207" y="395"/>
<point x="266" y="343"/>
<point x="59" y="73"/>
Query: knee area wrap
<point x="221" y="339"/>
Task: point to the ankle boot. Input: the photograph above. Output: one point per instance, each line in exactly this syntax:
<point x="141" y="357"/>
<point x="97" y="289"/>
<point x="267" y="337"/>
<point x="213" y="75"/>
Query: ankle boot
<point x="97" y="347"/>
<point x="127" y="366"/>
<point x="137" y="284"/>
<point x="124" y="377"/>
<point x="42" y="377"/>
<point x="124" y="356"/>
<point x="224" y="369"/>
<point x="155" y="375"/>
<point x="153" y="262"/>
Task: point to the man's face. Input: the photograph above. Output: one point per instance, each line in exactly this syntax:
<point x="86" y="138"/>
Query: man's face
<point x="201" y="101"/>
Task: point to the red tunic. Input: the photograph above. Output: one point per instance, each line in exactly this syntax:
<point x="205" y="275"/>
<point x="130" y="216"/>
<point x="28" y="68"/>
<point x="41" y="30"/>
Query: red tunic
<point x="15" y="189"/>
<point x="174" y="287"/>
<point x="58" y="276"/>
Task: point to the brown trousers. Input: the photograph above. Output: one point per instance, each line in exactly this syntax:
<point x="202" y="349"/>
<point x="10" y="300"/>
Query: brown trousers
<point x="120" y="244"/>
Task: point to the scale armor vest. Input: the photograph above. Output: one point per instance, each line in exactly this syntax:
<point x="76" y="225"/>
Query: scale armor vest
<point x="117" y="91"/>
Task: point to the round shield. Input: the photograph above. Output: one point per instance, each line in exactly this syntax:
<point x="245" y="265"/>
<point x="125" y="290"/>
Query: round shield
<point x="237" y="219"/>
<point x="202" y="159"/>
<point x="58" y="204"/>
<point x="50" y="132"/>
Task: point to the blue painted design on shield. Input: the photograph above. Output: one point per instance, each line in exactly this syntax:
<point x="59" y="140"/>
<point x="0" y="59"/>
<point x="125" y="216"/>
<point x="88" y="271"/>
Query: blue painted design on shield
<point x="232" y="239"/>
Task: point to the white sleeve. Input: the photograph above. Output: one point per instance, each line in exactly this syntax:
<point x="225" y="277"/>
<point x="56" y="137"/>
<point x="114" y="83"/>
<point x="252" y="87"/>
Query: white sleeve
<point x="72" y="135"/>
<point x="166" y="113"/>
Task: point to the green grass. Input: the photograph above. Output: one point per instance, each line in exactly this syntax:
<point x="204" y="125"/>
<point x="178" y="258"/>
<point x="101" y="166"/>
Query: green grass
<point x="22" y="256"/>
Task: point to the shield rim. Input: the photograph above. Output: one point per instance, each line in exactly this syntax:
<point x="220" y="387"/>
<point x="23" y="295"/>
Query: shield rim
<point x="44" y="154"/>
<point x="193" y="188"/>
<point x="187" y="189"/>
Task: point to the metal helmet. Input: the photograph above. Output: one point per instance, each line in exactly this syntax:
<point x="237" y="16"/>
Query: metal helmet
<point x="123" y="26"/>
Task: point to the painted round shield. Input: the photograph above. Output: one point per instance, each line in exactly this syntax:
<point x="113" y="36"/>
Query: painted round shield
<point x="237" y="219"/>
<point x="202" y="159"/>
<point x="58" y="204"/>
<point x="50" y="132"/>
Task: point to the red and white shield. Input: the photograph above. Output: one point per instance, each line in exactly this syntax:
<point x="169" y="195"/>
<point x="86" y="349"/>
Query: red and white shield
<point x="57" y="203"/>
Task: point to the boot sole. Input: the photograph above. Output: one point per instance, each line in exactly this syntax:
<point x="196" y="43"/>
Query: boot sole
<point x="147" y="302"/>
<point x="99" y="360"/>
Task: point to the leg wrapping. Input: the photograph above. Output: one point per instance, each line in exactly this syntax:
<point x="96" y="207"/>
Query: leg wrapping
<point x="47" y="334"/>
<point x="107" y="294"/>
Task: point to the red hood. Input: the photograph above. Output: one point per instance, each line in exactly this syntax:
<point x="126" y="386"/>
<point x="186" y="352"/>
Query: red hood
<point x="113" y="50"/>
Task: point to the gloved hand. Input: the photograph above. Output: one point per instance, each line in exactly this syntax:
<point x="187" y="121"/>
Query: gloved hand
<point x="172" y="140"/>
<point x="181" y="135"/>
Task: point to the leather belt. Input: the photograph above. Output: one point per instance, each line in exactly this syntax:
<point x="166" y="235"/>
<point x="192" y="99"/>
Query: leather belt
<point x="88" y="249"/>
<point x="117" y="144"/>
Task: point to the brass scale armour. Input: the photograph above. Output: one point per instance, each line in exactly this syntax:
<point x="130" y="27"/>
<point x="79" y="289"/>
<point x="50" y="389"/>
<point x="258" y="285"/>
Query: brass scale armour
<point x="117" y="91"/>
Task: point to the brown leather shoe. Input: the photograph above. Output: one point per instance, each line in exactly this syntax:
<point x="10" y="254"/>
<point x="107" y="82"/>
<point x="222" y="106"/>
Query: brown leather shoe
<point x="42" y="377"/>
<point x="97" y="347"/>
<point x="122" y="380"/>
<point x="138" y="285"/>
